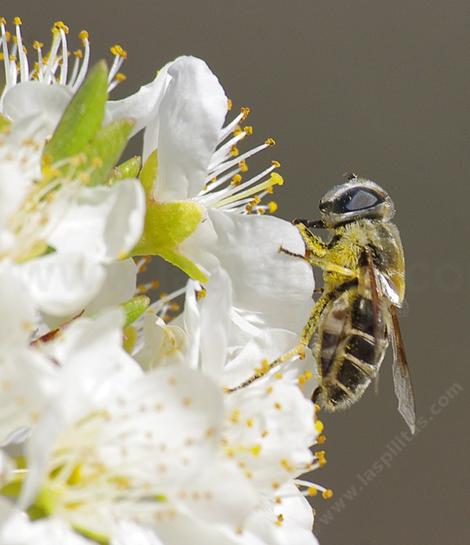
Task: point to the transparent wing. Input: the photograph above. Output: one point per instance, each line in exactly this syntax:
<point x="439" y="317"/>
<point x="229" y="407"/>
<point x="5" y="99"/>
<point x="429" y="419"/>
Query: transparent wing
<point x="401" y="373"/>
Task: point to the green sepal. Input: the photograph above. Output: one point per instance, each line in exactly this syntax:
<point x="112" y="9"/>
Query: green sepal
<point x="167" y="225"/>
<point x="105" y="149"/>
<point x="82" y="117"/>
<point x="148" y="174"/>
<point x="183" y="263"/>
<point x="134" y="308"/>
<point x="128" y="169"/>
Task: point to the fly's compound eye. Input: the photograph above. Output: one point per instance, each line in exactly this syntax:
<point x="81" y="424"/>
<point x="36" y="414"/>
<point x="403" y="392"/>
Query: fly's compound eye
<point x="354" y="200"/>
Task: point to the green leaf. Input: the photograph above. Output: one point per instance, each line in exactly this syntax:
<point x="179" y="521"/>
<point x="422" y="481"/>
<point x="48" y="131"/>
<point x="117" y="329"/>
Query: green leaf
<point x="82" y="118"/>
<point x="128" y="169"/>
<point x="105" y="149"/>
<point x="148" y="176"/>
<point x="134" y="308"/>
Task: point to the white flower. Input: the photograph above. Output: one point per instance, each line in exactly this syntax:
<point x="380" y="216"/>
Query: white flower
<point x="27" y="377"/>
<point x="143" y="451"/>
<point x="44" y="87"/>
<point x="88" y="227"/>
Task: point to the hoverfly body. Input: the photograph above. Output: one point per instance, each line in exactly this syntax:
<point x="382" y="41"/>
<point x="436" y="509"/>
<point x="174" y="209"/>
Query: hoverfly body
<point x="355" y="318"/>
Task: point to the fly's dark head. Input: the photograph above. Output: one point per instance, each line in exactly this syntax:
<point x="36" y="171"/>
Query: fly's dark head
<point x="356" y="199"/>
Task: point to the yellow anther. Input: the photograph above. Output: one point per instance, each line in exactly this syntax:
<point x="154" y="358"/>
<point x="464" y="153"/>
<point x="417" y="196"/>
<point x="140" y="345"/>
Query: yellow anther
<point x="319" y="426"/>
<point x="248" y="474"/>
<point x="17" y="21"/>
<point x="236" y="179"/>
<point x="142" y="288"/>
<point x="301" y="380"/>
<point x="249" y="422"/>
<point x="308" y="375"/>
<point x="237" y="130"/>
<point x="321" y="439"/>
<point x="83" y="35"/>
<point x="272" y="206"/>
<point x="37" y="45"/>
<point x="277" y="406"/>
<point x="245" y="111"/>
<point x="234" y="151"/>
<point x="243" y="166"/>
<point x="120" y="76"/>
<point x="287" y="465"/>
<point x="8" y="35"/>
<point x="235" y="416"/>
<point x="276" y="179"/>
<point x="229" y="104"/>
<point x="302" y="351"/>
<point x="270" y="142"/>
<point x="278" y="376"/>
<point x="256" y="450"/>
<point x="280" y="519"/>
<point x="275" y="485"/>
<point x="78" y="53"/>
<point x="275" y="164"/>
<point x="316" y="407"/>
<point x="3" y="21"/>
<point x="248" y="130"/>
<point x="2" y="56"/>
<point x="327" y="494"/>
<point x="200" y="294"/>
<point x="154" y="284"/>
<point x="312" y="491"/>
<point x="118" y="51"/>
<point x="269" y="390"/>
<point x="60" y="25"/>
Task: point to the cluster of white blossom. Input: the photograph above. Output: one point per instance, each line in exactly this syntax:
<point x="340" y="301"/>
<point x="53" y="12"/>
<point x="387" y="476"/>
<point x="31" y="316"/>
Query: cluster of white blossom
<point x="121" y="421"/>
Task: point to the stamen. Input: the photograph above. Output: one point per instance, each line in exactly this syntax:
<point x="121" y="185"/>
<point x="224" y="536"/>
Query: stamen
<point x="83" y="35"/>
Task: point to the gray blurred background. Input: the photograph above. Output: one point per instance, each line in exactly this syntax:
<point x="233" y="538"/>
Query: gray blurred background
<point x="381" y="89"/>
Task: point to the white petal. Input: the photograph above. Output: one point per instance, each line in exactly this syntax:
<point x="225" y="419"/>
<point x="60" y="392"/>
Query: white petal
<point x="27" y="382"/>
<point x="297" y="520"/>
<point x="142" y="105"/>
<point x="281" y="428"/>
<point x="17" y="529"/>
<point x="133" y="534"/>
<point x="215" y="321"/>
<point x="119" y="285"/>
<point x="62" y="284"/>
<point x="33" y="98"/>
<point x="104" y="222"/>
<point x="17" y="314"/>
<point x="275" y="286"/>
<point x="191" y="116"/>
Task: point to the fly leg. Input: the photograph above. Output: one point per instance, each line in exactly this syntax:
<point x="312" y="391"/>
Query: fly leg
<point x="299" y="350"/>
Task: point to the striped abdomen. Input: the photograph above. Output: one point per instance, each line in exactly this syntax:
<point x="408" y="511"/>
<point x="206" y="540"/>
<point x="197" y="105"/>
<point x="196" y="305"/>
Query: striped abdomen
<point x="349" y="348"/>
